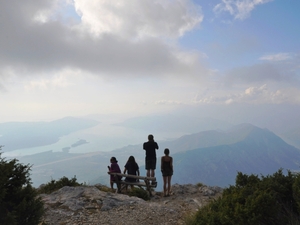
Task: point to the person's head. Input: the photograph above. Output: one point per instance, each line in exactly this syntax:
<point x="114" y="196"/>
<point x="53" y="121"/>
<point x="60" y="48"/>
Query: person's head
<point x="131" y="159"/>
<point x="150" y="137"/>
<point x="167" y="151"/>
<point x="113" y="160"/>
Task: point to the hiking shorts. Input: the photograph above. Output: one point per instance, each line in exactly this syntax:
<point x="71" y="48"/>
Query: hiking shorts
<point x="151" y="164"/>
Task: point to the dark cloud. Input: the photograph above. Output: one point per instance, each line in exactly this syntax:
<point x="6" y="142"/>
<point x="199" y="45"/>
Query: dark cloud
<point x="30" y="47"/>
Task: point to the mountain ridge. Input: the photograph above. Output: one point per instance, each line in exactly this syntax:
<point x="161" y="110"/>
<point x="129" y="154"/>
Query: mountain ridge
<point x="212" y="157"/>
<point x="260" y="152"/>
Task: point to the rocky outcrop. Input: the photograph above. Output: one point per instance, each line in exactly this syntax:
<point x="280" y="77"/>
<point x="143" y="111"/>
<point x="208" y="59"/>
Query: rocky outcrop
<point x="89" y="205"/>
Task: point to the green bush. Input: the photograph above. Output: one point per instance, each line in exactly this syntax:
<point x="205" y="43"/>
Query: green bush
<point x="19" y="203"/>
<point x="140" y="193"/>
<point x="199" y="184"/>
<point x="54" y="185"/>
<point x="269" y="200"/>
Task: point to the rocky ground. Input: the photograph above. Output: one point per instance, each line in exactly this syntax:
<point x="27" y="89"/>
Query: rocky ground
<point x="90" y="206"/>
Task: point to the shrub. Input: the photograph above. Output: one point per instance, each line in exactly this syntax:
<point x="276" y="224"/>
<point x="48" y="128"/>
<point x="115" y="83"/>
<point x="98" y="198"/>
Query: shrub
<point x="199" y="184"/>
<point x="253" y="200"/>
<point x="140" y="193"/>
<point x="54" y="185"/>
<point x="19" y="203"/>
<point x="103" y="188"/>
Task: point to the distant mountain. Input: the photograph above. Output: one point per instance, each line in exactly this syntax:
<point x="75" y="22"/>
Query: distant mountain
<point x="292" y="136"/>
<point x="211" y="157"/>
<point x="207" y="138"/>
<point x="256" y="151"/>
<point x="19" y="135"/>
<point x="174" y="123"/>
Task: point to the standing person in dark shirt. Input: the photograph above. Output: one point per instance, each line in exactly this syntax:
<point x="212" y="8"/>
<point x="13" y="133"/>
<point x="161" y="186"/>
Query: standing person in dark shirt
<point x="150" y="161"/>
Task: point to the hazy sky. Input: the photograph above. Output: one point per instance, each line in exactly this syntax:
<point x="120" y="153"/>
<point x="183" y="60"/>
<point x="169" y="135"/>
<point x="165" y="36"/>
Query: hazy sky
<point x="77" y="57"/>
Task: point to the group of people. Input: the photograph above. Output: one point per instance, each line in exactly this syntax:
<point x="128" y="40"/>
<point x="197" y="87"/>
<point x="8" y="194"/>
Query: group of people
<point x="132" y="168"/>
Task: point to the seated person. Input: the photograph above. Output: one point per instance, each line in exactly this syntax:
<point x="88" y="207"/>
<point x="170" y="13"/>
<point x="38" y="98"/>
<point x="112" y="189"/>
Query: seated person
<point x="131" y="168"/>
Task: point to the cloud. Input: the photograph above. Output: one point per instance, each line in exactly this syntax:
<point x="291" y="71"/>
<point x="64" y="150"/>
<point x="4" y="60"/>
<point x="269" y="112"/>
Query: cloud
<point x="280" y="67"/>
<point x="168" y="102"/>
<point x="253" y="95"/>
<point x="254" y="73"/>
<point x="240" y="9"/>
<point x="113" y="38"/>
<point x="276" y="57"/>
<point x="60" y="80"/>
<point x="263" y="95"/>
<point x="137" y="19"/>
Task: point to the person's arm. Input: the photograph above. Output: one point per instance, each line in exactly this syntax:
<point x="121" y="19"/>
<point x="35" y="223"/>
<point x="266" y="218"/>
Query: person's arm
<point x="125" y="170"/>
<point x="161" y="163"/>
<point x="171" y="163"/>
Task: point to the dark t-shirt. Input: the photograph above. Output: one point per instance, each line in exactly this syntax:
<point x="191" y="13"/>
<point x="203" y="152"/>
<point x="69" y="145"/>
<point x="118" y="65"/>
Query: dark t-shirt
<point x="131" y="168"/>
<point x="150" y="148"/>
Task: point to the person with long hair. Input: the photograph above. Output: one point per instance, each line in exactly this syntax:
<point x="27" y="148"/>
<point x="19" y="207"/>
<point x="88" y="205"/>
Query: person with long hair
<point x="132" y="168"/>
<point x="167" y="171"/>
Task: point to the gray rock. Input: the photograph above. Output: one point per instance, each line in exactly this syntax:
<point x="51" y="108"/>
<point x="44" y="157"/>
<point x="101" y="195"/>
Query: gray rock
<point x="76" y="198"/>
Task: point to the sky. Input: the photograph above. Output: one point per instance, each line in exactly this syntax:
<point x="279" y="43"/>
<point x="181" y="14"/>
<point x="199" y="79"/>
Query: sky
<point x="75" y="57"/>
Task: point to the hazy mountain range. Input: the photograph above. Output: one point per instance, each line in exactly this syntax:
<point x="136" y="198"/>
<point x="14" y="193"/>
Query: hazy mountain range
<point x="252" y="150"/>
<point x="211" y="156"/>
<point x="19" y="135"/>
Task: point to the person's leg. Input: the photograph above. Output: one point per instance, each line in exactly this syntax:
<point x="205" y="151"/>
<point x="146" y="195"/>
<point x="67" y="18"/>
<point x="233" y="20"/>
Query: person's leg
<point x="152" y="173"/>
<point x="112" y="185"/>
<point x="152" y="167"/>
<point x="147" y="162"/>
<point x="119" y="187"/>
<point x="165" y="186"/>
<point x="169" y="184"/>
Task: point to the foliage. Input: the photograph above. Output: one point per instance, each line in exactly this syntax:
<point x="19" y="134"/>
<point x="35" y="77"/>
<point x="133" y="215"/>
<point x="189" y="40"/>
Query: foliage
<point x="103" y="188"/>
<point x="140" y="193"/>
<point x="19" y="203"/>
<point x="272" y="199"/>
<point x="54" y="185"/>
<point x="199" y="184"/>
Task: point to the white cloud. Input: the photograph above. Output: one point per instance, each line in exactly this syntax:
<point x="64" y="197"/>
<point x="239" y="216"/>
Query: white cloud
<point x="240" y="9"/>
<point x="136" y="19"/>
<point x="276" y="57"/>
<point x="131" y="42"/>
<point x="125" y="56"/>
<point x="254" y="95"/>
<point x="63" y="79"/>
<point x="168" y="102"/>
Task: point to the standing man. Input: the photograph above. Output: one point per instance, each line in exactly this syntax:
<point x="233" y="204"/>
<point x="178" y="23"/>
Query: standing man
<point x="150" y="148"/>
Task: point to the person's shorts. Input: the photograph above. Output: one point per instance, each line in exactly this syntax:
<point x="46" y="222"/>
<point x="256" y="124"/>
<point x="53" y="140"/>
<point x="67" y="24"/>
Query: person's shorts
<point x="167" y="173"/>
<point x="113" y="178"/>
<point x="150" y="164"/>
